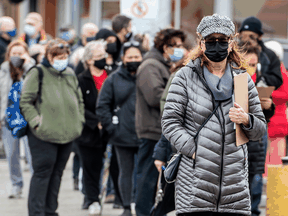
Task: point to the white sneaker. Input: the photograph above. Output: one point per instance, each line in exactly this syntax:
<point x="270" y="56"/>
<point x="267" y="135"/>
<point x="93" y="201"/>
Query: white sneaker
<point x="133" y="210"/>
<point x="94" y="209"/>
<point x="15" y="192"/>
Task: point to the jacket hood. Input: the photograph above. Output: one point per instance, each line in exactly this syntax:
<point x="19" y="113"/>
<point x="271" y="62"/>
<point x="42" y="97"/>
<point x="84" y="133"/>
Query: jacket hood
<point x="104" y="34"/>
<point x="156" y="54"/>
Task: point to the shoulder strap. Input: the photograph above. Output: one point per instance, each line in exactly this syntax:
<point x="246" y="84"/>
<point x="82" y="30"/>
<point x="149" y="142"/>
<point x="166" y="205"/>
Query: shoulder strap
<point x="215" y="109"/>
<point x="40" y="80"/>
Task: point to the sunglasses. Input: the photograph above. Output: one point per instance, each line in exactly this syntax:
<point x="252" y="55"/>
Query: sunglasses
<point x="55" y="43"/>
<point x="215" y="39"/>
<point x="131" y="43"/>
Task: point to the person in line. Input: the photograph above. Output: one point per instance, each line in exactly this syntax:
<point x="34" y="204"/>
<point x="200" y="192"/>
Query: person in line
<point x="7" y="32"/>
<point x="55" y="115"/>
<point x="152" y="76"/>
<point x="90" y="144"/>
<point x="116" y="111"/>
<point x="88" y="33"/>
<point x="251" y="34"/>
<point x="34" y="32"/>
<point x="215" y="169"/>
<point x="68" y="34"/>
<point x="144" y="40"/>
<point x="17" y="64"/>
<point x="256" y="149"/>
<point x="122" y="26"/>
<point x="113" y="49"/>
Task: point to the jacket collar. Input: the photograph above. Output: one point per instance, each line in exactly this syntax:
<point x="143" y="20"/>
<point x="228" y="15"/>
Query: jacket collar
<point x="87" y="74"/>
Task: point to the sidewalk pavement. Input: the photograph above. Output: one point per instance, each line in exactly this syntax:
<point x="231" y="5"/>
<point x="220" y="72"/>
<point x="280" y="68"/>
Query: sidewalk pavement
<point x="70" y="201"/>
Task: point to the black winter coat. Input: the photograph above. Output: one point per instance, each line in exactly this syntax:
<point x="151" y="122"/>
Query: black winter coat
<point x="3" y="46"/>
<point x="119" y="90"/>
<point x="90" y="134"/>
<point x="270" y="68"/>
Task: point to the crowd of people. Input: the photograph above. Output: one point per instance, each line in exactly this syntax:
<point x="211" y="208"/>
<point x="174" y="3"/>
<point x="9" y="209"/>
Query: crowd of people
<point x="109" y="87"/>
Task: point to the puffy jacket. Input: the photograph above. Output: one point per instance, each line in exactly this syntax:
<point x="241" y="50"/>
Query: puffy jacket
<point x="278" y="125"/>
<point x="217" y="179"/>
<point x="60" y="115"/>
<point x="119" y="92"/>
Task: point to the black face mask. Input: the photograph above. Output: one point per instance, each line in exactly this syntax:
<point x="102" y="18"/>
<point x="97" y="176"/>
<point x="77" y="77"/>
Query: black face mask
<point x="89" y="39"/>
<point x="132" y="66"/>
<point x="111" y="48"/>
<point x="128" y="36"/>
<point x="100" y="63"/>
<point x="216" y="51"/>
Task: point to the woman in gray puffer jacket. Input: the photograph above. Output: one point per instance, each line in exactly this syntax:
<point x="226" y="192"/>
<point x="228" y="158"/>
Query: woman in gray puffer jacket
<point x="213" y="174"/>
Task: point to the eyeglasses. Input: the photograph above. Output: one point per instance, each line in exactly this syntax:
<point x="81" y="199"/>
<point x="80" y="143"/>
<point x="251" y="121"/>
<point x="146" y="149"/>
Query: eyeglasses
<point x="131" y="43"/>
<point x="215" y="39"/>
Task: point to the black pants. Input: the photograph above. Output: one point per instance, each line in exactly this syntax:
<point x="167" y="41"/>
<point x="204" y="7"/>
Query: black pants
<point x="76" y="161"/>
<point x="147" y="176"/>
<point x="126" y="158"/>
<point x="114" y="173"/>
<point x="48" y="161"/>
<point x="91" y="161"/>
<point x="209" y="214"/>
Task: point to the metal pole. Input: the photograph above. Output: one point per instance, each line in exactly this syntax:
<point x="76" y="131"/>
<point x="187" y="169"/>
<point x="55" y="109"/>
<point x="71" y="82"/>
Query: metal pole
<point x="224" y="8"/>
<point x="177" y="14"/>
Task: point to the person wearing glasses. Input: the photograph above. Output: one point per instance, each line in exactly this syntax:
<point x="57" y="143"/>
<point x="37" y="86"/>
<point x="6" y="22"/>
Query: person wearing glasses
<point x="152" y="77"/>
<point x="89" y="143"/>
<point x="55" y="115"/>
<point x="116" y="112"/>
<point x="212" y="177"/>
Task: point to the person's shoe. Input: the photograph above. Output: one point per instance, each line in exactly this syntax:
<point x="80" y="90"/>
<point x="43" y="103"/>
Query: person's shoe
<point x="133" y="208"/>
<point x="117" y="206"/>
<point x="15" y="192"/>
<point x="110" y="198"/>
<point x="127" y="212"/>
<point x="76" y="184"/>
<point x="94" y="209"/>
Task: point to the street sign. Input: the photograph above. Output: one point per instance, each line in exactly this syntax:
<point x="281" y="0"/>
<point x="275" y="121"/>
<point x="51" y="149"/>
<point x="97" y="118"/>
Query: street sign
<point x="141" y="9"/>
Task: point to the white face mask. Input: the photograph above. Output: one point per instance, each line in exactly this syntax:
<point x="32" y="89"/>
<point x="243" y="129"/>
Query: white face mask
<point x="60" y="65"/>
<point x="29" y="30"/>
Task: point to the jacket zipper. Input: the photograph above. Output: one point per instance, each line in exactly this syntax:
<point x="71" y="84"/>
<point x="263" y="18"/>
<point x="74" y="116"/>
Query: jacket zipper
<point x="214" y="104"/>
<point x="222" y="158"/>
<point x="244" y="156"/>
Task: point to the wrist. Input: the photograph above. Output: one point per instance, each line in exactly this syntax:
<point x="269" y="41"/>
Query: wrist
<point x="246" y="122"/>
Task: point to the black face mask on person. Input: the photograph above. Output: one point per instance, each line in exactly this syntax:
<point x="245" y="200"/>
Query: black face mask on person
<point x="100" y="63"/>
<point x="216" y="51"/>
<point x="132" y="66"/>
<point x="111" y="48"/>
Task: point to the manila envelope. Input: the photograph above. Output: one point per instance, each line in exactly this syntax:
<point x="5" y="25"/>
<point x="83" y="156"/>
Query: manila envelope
<point x="265" y="92"/>
<point x="241" y="98"/>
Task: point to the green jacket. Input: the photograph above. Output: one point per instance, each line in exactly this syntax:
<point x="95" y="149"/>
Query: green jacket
<point x="60" y="115"/>
<point x="165" y="93"/>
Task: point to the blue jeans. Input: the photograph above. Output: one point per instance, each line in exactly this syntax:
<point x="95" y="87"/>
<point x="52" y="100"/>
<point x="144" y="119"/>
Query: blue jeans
<point x="12" y="151"/>
<point x="257" y="184"/>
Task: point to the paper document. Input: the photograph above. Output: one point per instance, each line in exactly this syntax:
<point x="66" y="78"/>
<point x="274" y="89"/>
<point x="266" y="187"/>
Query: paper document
<point x="265" y="92"/>
<point x="241" y="98"/>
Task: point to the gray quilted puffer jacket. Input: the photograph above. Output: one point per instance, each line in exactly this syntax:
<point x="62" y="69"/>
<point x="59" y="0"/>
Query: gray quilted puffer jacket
<point x="217" y="179"/>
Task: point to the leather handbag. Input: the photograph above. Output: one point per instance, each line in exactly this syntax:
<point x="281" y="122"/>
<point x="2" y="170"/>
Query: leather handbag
<point x="170" y="172"/>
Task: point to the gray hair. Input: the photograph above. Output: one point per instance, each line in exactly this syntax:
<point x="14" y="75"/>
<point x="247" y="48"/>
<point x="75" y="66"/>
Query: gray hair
<point x="89" y="48"/>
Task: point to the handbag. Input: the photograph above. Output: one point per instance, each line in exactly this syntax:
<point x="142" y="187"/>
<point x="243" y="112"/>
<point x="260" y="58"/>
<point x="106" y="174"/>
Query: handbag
<point x="170" y="172"/>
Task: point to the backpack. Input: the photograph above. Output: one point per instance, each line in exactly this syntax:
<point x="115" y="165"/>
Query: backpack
<point x="15" y="121"/>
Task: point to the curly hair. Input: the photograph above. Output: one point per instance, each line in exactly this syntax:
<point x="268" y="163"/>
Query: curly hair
<point x="165" y="37"/>
<point x="236" y="55"/>
<point x="16" y="73"/>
